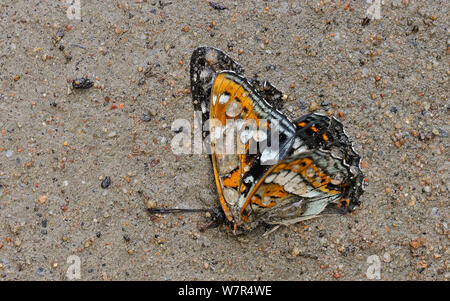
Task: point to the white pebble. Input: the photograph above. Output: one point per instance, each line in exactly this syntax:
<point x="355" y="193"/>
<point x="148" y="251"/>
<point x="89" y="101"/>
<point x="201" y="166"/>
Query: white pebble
<point x="112" y="134"/>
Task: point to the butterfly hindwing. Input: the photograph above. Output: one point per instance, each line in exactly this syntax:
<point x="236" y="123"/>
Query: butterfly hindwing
<point x="327" y="133"/>
<point x="320" y="170"/>
<point x="294" y="189"/>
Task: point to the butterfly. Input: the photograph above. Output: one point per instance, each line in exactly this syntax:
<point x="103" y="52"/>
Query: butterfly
<point x="267" y="168"/>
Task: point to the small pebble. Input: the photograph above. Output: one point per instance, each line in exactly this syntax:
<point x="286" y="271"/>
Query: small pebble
<point x="82" y="83"/>
<point x="396" y="3"/>
<point x="112" y="134"/>
<point x="313" y="106"/>
<point x="40" y="271"/>
<point x="151" y="204"/>
<point x="415" y="244"/>
<point x="146" y="117"/>
<point x="106" y="182"/>
<point x="17" y="242"/>
<point x="434" y="212"/>
<point x="295" y="252"/>
<point x="42" y="199"/>
<point x="217" y="5"/>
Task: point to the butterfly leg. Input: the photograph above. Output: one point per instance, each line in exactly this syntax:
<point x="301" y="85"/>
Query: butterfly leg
<point x="217" y="219"/>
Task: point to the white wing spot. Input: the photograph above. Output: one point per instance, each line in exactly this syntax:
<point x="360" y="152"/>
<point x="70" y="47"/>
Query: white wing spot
<point x="203" y="107"/>
<point x="249" y="179"/>
<point x="223" y="99"/>
<point x="233" y="109"/>
<point x="231" y="195"/>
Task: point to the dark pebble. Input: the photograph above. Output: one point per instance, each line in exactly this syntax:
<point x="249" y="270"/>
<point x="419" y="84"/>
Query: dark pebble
<point x="217" y="5"/>
<point x="40" y="271"/>
<point x="98" y="234"/>
<point x="393" y="109"/>
<point x="106" y="182"/>
<point x="365" y="21"/>
<point x="82" y="83"/>
<point x="146" y="117"/>
<point x="270" y="67"/>
<point x="44" y="223"/>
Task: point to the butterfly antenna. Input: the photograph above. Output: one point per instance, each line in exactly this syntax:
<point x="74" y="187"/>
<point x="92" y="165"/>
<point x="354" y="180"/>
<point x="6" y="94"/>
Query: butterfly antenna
<point x="178" y="210"/>
<point x="217" y="215"/>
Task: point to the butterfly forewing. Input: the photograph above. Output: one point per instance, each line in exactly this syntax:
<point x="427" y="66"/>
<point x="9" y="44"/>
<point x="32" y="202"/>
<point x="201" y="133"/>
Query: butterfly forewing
<point x="240" y="125"/>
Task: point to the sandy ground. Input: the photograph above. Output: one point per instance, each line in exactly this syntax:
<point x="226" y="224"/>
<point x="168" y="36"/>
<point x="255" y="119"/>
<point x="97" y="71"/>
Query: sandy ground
<point x="386" y="80"/>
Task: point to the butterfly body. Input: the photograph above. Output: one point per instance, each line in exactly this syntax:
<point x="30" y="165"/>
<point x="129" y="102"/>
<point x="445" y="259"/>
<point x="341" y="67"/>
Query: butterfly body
<point x="268" y="168"/>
